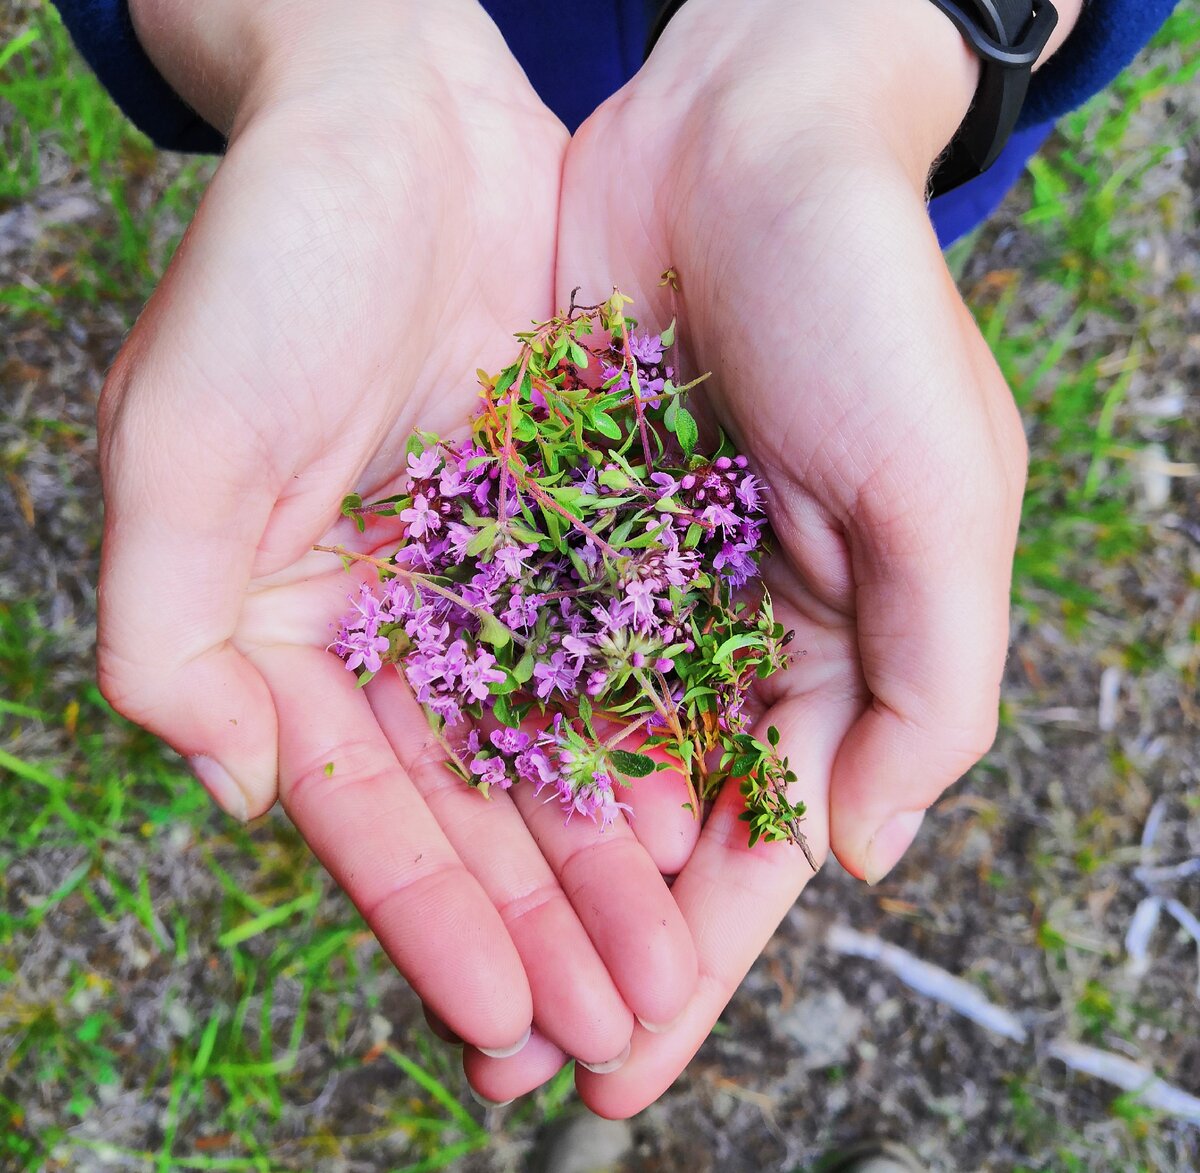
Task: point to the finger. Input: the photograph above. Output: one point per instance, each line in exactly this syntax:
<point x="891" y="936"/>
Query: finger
<point x="439" y="1028"/>
<point x="619" y="896"/>
<point x="932" y="571"/>
<point x="503" y="1080"/>
<point x="733" y="898"/>
<point x="663" y="812"/>
<point x="352" y="801"/>
<point x="186" y="502"/>
<point x="575" y="1002"/>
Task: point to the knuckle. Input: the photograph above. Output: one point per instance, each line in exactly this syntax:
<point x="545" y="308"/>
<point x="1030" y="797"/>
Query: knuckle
<point x="350" y="765"/>
<point x="420" y="888"/>
<point x="521" y="906"/>
<point x="969" y="741"/>
<point x="124" y="683"/>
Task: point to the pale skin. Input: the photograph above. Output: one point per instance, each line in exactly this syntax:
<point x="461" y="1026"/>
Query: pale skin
<point x="394" y="203"/>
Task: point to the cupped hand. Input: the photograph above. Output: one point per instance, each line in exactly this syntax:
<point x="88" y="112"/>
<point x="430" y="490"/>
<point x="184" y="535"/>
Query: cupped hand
<point x="383" y="219"/>
<point x="777" y="163"/>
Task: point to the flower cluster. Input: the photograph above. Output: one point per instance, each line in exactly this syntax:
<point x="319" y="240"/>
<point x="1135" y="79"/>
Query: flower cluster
<point x="579" y="557"/>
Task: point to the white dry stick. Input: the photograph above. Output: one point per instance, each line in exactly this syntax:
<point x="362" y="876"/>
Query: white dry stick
<point x="1190" y="925"/>
<point x="1153" y="822"/>
<point x="930" y="980"/>
<point x="1167" y="873"/>
<point x="1141" y="929"/>
<point x="1129" y="1076"/>
<point x="1110" y="695"/>
<point x="961" y="996"/>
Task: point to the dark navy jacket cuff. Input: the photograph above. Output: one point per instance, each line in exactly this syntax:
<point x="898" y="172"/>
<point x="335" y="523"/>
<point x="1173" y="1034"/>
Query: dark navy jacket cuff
<point x="1107" y="37"/>
<point x="103" y="33"/>
<point x="1103" y="42"/>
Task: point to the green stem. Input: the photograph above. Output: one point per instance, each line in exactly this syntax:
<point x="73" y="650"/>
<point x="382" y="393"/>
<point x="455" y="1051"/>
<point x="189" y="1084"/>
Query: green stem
<point x="423" y="581"/>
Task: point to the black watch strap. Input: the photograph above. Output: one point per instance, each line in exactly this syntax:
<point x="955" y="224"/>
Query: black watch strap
<point x="1008" y="36"/>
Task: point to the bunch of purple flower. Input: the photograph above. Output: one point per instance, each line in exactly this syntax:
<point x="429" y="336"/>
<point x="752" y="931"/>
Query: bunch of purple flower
<point x="576" y="557"/>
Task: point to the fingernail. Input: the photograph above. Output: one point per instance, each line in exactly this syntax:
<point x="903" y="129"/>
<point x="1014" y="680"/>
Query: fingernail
<point x="508" y="1052"/>
<point x="220" y="785"/>
<point x="611" y="1065"/>
<point x="656" y="1028"/>
<point x="890" y="842"/>
<point x="484" y="1102"/>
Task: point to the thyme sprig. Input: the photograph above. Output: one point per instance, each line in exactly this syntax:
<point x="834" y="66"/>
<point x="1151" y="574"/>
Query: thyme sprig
<point x="580" y="572"/>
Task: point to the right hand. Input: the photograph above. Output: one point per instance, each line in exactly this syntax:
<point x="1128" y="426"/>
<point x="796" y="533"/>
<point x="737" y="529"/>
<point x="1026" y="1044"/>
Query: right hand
<point x="384" y="218"/>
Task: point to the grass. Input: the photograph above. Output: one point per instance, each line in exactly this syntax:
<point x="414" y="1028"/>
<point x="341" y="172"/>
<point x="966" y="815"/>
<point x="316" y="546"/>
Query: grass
<point x="178" y="992"/>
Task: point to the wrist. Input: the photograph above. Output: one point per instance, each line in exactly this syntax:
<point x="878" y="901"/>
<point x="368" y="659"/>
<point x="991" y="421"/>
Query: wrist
<point x="229" y="59"/>
<point x="891" y="74"/>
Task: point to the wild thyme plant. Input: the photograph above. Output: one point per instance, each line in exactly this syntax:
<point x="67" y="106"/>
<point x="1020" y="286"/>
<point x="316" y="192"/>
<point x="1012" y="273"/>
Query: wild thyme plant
<point x="581" y="558"/>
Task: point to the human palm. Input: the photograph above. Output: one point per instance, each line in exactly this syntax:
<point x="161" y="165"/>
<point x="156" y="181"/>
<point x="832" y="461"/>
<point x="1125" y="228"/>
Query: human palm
<point x="844" y="364"/>
<point x="362" y="248"/>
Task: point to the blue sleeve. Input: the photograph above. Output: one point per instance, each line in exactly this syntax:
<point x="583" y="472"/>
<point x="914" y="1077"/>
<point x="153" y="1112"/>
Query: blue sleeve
<point x="103" y="34"/>
<point x="1107" y="37"/>
<point x="1103" y="42"/>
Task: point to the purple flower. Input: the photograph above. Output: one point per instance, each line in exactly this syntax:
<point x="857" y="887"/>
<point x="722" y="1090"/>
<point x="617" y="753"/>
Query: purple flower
<point x="749" y="493"/>
<point x="735" y="564"/>
<point x="479" y="673"/>
<point x="511" y="558"/>
<point x="422" y="467"/>
<point x="454" y="662"/>
<point x="424" y="626"/>
<point x="459" y="537"/>
<point x="559" y="672"/>
<point x="510" y="741"/>
<point x="639" y="594"/>
<point x="719" y="515"/>
<point x="361" y="648"/>
<point x="447" y="708"/>
<point x="574" y="646"/>
<point x="451" y="482"/>
<point x="491" y="771"/>
<point x="608" y="371"/>
<point x="420" y="518"/>
<point x="665" y="483"/>
<point x="397" y="600"/>
<point x="647" y="349"/>
<point x="368" y="607"/>
<point x="535" y="766"/>
<point x="522" y="612"/>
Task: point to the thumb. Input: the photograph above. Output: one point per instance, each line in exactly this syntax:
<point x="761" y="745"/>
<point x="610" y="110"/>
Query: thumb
<point x="187" y="499"/>
<point x="932" y="568"/>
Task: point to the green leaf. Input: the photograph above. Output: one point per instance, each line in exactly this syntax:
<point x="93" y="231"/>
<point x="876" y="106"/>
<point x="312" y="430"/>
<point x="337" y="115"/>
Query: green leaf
<point x="635" y="765"/>
<point x="585" y="710"/>
<point x="744" y="764"/>
<point x="523" y="669"/>
<point x="523" y="533"/>
<point x="773" y="736"/>
<point x="485" y="539"/>
<point x="506" y="380"/>
<point x="668" y="335"/>
<point x="614" y="478"/>
<point x="559" y="351"/>
<point x="686" y="430"/>
<point x="503" y="711"/>
<point x="493" y="632"/>
<point x="606" y="425"/>
<point x="579" y="356"/>
<point x="415" y="445"/>
<point x="733" y="644"/>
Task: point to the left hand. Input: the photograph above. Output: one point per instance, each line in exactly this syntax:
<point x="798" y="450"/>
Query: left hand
<point x="775" y="155"/>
